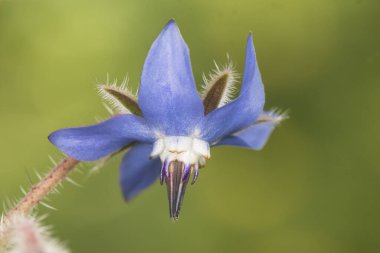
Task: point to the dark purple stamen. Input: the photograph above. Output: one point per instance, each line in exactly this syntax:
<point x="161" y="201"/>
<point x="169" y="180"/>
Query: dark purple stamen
<point x="186" y="172"/>
<point x="163" y="172"/>
<point x="195" y="174"/>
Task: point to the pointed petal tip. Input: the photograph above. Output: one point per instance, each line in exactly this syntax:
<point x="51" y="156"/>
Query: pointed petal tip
<point x="129" y="198"/>
<point x="250" y="40"/>
<point x="171" y="25"/>
<point x="51" y="137"/>
<point x="54" y="137"/>
<point x="250" y="49"/>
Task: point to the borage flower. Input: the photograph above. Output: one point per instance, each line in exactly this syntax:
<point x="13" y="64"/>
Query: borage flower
<point x="170" y="128"/>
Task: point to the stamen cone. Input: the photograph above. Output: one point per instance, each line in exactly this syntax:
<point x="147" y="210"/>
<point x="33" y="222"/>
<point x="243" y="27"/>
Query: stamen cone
<point x="180" y="156"/>
<point x="176" y="180"/>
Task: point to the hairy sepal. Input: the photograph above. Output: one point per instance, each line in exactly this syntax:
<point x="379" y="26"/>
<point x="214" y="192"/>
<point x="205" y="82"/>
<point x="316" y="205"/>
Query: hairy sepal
<point x="275" y="116"/>
<point x="219" y="87"/>
<point x="120" y="98"/>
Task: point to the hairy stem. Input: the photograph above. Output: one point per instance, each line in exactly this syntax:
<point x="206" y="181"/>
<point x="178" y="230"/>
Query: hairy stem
<point x="43" y="188"/>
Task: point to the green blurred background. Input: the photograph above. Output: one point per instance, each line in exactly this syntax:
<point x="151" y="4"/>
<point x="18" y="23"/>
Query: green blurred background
<point x="314" y="188"/>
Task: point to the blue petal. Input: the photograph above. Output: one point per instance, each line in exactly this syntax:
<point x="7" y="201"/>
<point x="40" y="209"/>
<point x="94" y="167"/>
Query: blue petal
<point x="137" y="171"/>
<point x="168" y="96"/>
<point x="244" y="110"/>
<point x="253" y="137"/>
<point x="94" y="142"/>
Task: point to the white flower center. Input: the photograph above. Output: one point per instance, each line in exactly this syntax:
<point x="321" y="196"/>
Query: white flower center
<point x="185" y="149"/>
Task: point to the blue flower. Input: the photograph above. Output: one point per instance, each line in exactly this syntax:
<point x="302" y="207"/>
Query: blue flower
<point x="170" y="128"/>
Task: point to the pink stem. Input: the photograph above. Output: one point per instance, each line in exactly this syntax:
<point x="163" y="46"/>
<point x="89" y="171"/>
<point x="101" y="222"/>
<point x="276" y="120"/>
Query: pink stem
<point x="43" y="188"/>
